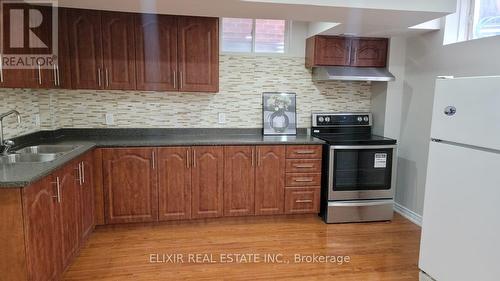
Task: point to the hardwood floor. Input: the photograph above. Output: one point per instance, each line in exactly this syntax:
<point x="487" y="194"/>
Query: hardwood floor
<point x="377" y="251"/>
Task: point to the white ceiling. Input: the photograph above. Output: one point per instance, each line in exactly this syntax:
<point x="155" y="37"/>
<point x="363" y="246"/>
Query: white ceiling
<point x="356" y="17"/>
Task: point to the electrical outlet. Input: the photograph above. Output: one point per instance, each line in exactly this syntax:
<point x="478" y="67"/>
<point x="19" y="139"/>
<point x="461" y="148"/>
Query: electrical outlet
<point x="36" y="120"/>
<point x="110" y="119"/>
<point x="222" y="118"/>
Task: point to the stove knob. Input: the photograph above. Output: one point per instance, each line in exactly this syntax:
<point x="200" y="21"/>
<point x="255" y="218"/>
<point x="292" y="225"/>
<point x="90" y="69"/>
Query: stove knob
<point x="321" y="119"/>
<point x="360" y="119"/>
<point x="327" y="119"/>
<point x="365" y="118"/>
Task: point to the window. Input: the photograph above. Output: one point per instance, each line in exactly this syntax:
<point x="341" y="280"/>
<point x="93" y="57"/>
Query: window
<point x="486" y="19"/>
<point x="254" y="35"/>
<point x="473" y="19"/>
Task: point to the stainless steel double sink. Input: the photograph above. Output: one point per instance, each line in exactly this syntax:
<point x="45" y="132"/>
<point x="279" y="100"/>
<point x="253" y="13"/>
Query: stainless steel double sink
<point x="37" y="154"/>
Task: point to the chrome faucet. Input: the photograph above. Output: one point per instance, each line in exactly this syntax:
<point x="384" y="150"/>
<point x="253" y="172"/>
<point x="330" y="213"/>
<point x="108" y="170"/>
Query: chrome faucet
<point x="5" y="145"/>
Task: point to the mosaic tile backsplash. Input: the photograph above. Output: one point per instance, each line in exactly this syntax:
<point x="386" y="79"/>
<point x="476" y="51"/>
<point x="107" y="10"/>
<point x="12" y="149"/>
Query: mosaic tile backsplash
<point x="242" y="81"/>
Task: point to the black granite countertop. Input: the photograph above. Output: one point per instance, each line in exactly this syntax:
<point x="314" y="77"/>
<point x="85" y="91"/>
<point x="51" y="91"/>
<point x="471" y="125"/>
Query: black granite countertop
<point x="23" y="174"/>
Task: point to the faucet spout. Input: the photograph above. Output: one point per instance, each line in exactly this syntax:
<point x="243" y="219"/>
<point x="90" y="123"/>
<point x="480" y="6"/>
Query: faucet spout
<point x="2" y="116"/>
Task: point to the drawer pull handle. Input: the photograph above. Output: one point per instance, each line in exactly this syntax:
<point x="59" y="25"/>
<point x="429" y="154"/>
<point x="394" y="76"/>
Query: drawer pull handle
<point x="304" y="180"/>
<point x="304" y="166"/>
<point x="305" y="151"/>
<point x="303" y="201"/>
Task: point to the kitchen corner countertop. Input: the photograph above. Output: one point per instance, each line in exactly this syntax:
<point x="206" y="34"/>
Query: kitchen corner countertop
<point x="23" y="174"/>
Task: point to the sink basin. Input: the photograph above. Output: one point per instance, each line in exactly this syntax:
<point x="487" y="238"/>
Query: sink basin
<point x="47" y="149"/>
<point x="27" y="158"/>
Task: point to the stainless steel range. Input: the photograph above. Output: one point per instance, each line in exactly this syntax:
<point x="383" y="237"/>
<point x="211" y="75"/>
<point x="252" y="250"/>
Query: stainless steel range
<point x="360" y="168"/>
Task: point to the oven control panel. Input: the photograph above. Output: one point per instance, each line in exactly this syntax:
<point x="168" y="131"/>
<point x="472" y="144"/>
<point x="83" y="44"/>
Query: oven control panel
<point x="341" y="119"/>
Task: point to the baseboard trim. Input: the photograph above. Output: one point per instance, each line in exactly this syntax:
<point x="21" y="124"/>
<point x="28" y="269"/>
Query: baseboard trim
<point x="422" y="276"/>
<point x="409" y="214"/>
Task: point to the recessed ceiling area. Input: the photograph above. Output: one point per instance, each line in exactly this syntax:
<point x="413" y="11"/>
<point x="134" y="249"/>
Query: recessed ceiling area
<point x="362" y="18"/>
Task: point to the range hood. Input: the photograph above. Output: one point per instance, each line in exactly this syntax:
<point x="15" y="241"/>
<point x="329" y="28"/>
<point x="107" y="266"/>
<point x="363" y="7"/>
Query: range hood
<point x="349" y="73"/>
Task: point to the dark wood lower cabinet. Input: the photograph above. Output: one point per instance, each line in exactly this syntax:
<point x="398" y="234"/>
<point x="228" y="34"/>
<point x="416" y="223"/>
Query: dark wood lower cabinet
<point x="52" y="220"/>
<point x="87" y="194"/>
<point x="130" y="185"/>
<point x="46" y="223"/>
<point x="302" y="200"/>
<point x="174" y="183"/>
<point x="270" y="180"/>
<point x="207" y="181"/>
<point x="69" y="212"/>
<point x="41" y="224"/>
<point x="239" y="180"/>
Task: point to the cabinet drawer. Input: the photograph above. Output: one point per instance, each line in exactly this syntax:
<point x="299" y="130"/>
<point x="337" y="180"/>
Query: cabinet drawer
<point x="303" y="151"/>
<point x="302" y="200"/>
<point x="303" y="165"/>
<point x="303" y="179"/>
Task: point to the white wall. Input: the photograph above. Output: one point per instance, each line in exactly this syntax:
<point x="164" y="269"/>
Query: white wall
<point x="426" y="58"/>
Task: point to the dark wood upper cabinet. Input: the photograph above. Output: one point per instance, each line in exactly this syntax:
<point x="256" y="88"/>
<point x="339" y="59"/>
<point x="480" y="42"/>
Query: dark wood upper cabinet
<point x="46" y="77"/>
<point x="130" y="185"/>
<point x="198" y="49"/>
<point x="174" y="183"/>
<point x="124" y="51"/>
<point x="207" y="175"/>
<point x="84" y="37"/>
<point x="270" y="183"/>
<point x="346" y="51"/>
<point x="370" y="52"/>
<point x="239" y="180"/>
<point x="87" y="194"/>
<point x="41" y="226"/>
<point x="63" y="65"/>
<point x="156" y="52"/>
<point x="118" y="50"/>
<point x="69" y="212"/>
<point x="327" y="50"/>
<point x="17" y="78"/>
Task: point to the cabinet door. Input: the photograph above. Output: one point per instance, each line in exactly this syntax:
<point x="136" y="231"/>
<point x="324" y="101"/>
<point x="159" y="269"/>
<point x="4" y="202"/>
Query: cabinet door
<point x="19" y="78"/>
<point x="207" y="176"/>
<point x="239" y="180"/>
<point x="270" y="180"/>
<point x="174" y="183"/>
<point x="46" y="77"/>
<point x="69" y="212"/>
<point x="84" y="36"/>
<point x="87" y="194"/>
<point x="41" y="230"/>
<point x="14" y="77"/>
<point x="130" y="185"/>
<point x="156" y="52"/>
<point x="118" y="50"/>
<point x="328" y="50"/>
<point x="63" y="66"/>
<point x="198" y="54"/>
<point x="369" y="52"/>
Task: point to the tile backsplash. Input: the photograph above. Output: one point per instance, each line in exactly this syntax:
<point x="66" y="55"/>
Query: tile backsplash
<point x="242" y="81"/>
<point x="27" y="102"/>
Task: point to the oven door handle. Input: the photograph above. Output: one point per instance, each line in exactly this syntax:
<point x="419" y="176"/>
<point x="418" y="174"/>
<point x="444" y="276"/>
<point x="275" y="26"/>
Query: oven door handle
<point x="336" y="147"/>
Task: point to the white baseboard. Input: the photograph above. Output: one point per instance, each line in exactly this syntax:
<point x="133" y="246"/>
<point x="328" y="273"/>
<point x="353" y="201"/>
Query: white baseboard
<point x="422" y="276"/>
<point x="409" y="214"/>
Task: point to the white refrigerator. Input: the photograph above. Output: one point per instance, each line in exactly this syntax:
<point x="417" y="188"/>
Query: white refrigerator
<point x="461" y="220"/>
